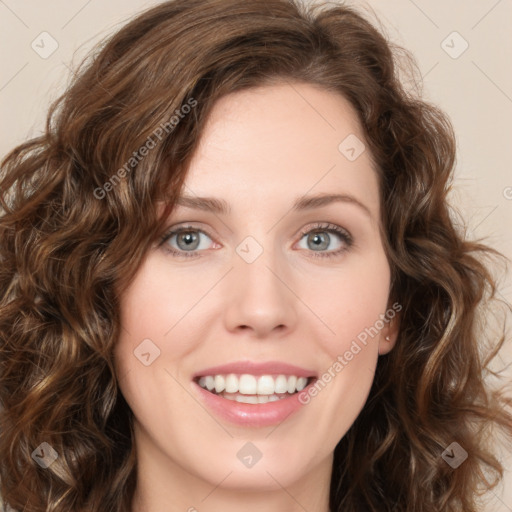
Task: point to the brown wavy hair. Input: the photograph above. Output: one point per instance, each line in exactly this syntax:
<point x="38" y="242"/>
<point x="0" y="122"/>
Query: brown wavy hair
<point x="72" y="238"/>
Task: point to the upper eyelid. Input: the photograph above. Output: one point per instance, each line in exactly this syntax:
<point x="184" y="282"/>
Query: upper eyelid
<point x="309" y="227"/>
<point x="315" y="226"/>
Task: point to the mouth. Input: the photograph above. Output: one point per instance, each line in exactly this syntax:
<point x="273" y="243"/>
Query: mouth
<point x="253" y="389"/>
<point x="253" y="393"/>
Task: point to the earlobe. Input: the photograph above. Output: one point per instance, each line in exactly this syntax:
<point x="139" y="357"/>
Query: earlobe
<point x="386" y="344"/>
<point x="389" y="336"/>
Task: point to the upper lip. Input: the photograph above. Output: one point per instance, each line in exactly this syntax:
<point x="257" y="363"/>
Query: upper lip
<point x="256" y="368"/>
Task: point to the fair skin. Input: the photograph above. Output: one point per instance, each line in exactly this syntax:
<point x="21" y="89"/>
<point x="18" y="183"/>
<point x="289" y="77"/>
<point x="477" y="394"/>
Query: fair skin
<point x="261" y="150"/>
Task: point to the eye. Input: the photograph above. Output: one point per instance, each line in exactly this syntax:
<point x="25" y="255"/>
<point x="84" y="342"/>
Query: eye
<point x="188" y="240"/>
<point x="319" y="237"/>
<point x="185" y="241"/>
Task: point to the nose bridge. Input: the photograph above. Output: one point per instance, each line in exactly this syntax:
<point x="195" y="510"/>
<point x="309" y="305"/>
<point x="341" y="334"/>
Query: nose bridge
<point x="257" y="295"/>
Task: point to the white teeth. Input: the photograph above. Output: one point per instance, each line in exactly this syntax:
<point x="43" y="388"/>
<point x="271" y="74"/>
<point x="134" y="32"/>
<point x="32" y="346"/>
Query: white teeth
<point x="266" y="385"/>
<point x="220" y="383"/>
<point x="292" y="384"/>
<point x="251" y="399"/>
<point x="207" y="382"/>
<point x="210" y="382"/>
<point x="246" y="399"/>
<point x="281" y="384"/>
<point x="231" y="383"/>
<point x="301" y="383"/>
<point x="246" y="384"/>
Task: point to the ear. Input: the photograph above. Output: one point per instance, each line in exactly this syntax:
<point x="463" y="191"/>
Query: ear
<point x="389" y="335"/>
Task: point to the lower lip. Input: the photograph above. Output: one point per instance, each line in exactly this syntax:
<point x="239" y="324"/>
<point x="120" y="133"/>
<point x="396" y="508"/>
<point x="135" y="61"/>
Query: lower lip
<point x="250" y="415"/>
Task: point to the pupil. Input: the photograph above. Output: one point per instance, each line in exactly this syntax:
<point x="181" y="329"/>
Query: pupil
<point x="189" y="238"/>
<point x="317" y="240"/>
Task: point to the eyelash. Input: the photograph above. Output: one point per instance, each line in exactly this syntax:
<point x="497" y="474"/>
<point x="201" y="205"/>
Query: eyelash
<point x="319" y="228"/>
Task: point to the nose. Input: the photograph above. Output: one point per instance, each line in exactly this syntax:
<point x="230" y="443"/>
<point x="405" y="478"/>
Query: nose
<point x="259" y="298"/>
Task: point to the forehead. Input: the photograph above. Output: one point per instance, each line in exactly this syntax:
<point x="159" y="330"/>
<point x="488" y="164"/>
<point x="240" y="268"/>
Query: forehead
<point x="274" y="143"/>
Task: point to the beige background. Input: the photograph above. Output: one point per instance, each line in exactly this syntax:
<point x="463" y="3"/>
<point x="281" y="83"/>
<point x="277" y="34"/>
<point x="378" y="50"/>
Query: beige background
<point x="475" y="89"/>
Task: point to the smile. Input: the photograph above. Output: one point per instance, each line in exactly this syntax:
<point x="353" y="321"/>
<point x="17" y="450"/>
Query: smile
<point x="253" y="389"/>
<point x="253" y="394"/>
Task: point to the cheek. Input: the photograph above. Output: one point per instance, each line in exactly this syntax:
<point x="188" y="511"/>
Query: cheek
<point x="351" y="306"/>
<point x="351" y="303"/>
<point x="153" y="307"/>
<point x="152" y="317"/>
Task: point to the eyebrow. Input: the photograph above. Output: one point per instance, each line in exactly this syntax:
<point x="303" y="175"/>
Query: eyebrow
<point x="220" y="206"/>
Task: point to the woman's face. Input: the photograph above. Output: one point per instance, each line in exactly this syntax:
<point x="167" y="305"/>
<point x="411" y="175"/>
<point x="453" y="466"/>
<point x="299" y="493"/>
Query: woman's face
<point x="266" y="289"/>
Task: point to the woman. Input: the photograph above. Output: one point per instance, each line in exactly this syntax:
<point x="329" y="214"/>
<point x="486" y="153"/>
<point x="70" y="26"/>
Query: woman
<point x="230" y="278"/>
